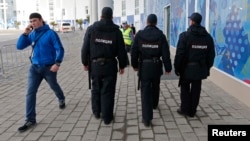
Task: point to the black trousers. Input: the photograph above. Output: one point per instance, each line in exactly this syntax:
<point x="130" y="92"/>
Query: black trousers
<point x="190" y="96"/>
<point x="103" y="94"/>
<point x="128" y="49"/>
<point x="150" y="91"/>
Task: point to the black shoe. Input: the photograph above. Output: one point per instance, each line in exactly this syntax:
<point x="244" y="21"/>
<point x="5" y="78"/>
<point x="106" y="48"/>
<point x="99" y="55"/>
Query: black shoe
<point x="155" y="107"/>
<point x="146" y="123"/>
<point x="26" y="126"/>
<point x="181" y="112"/>
<point x="192" y="115"/>
<point x="62" y="105"/>
<point x="97" y="116"/>
<point x="108" y="121"/>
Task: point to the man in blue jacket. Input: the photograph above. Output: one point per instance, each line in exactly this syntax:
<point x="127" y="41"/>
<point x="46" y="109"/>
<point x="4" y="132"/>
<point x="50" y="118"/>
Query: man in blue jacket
<point x="45" y="59"/>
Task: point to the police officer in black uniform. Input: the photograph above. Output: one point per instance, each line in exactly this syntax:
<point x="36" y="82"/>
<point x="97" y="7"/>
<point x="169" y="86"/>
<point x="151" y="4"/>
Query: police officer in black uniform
<point x="194" y="58"/>
<point x="103" y="46"/>
<point x="149" y="51"/>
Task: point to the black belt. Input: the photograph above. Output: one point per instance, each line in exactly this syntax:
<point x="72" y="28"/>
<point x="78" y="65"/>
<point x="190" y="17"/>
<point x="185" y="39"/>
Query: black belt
<point x="154" y="60"/>
<point x="101" y="60"/>
<point x="192" y="63"/>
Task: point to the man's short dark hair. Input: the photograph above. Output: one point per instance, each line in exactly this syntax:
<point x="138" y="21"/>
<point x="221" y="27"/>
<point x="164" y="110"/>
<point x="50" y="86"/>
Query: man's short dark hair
<point x="152" y="19"/>
<point x="35" y="15"/>
<point x="107" y="13"/>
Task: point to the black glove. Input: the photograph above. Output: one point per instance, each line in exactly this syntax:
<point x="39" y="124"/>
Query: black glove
<point x="177" y="72"/>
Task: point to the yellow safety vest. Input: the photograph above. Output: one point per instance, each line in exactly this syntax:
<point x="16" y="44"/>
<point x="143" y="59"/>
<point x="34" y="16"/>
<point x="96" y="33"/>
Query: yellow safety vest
<point x="126" y="36"/>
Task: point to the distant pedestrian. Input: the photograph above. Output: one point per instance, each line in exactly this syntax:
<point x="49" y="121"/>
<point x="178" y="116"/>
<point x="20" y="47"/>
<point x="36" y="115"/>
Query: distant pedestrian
<point x="47" y="54"/>
<point x="194" y="57"/>
<point x="133" y="29"/>
<point x="149" y="51"/>
<point x="128" y="37"/>
<point x="102" y="48"/>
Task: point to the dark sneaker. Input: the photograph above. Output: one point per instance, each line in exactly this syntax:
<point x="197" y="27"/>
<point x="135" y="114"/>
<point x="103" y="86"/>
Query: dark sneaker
<point x="62" y="105"/>
<point x="107" y="122"/>
<point x="155" y="107"/>
<point x="26" y="126"/>
<point x="191" y="115"/>
<point x="146" y="123"/>
<point x="180" y="112"/>
<point x="97" y="116"/>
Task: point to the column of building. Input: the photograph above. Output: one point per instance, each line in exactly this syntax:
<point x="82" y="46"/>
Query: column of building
<point x="96" y="8"/>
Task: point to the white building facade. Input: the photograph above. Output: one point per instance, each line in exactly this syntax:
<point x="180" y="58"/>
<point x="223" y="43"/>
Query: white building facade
<point x="7" y="13"/>
<point x="95" y="8"/>
<point x="52" y="10"/>
<point x="131" y="11"/>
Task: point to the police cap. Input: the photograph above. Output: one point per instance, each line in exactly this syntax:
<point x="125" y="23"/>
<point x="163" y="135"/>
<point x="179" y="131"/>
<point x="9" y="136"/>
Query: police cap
<point x="107" y="13"/>
<point x="152" y="19"/>
<point x="196" y="17"/>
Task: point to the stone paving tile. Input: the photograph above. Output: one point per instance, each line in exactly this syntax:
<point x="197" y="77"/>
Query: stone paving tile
<point x="161" y="137"/>
<point x="132" y="130"/>
<point x="61" y="136"/>
<point x="117" y="135"/>
<point x="200" y="132"/>
<point x="66" y="127"/>
<point x="147" y="134"/>
<point x="41" y="127"/>
<point x="190" y="137"/>
<point x="185" y="128"/>
<point x="76" y="122"/>
<point x="33" y="136"/>
<point x="51" y="131"/>
<point x="176" y="139"/>
<point x="6" y="136"/>
<point x="16" y="138"/>
<point x="74" y="138"/>
<point x="159" y="129"/>
<point x="132" y="138"/>
<point x="89" y="135"/>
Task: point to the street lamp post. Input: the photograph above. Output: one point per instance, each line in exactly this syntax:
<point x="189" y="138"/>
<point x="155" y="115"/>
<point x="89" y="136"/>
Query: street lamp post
<point x="75" y="13"/>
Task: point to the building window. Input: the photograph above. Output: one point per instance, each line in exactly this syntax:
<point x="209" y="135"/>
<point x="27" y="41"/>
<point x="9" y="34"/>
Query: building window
<point x="137" y="7"/>
<point x="51" y="9"/>
<point x="123" y="7"/>
<point x="37" y="5"/>
<point x="86" y="10"/>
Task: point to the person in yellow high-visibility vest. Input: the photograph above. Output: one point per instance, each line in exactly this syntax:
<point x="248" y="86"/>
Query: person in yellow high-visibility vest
<point x="128" y="36"/>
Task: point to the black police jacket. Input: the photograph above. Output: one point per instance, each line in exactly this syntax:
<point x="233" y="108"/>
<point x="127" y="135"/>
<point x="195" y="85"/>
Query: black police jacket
<point x="103" y="39"/>
<point x="194" y="54"/>
<point x="151" y="43"/>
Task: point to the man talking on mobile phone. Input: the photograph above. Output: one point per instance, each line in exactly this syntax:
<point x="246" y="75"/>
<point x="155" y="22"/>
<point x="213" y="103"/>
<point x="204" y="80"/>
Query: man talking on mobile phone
<point x="47" y="54"/>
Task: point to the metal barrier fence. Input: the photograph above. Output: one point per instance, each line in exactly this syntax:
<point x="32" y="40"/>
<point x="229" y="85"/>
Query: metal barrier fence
<point x="11" y="59"/>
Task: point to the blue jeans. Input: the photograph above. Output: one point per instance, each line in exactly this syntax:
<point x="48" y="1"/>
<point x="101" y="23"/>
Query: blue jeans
<point x="36" y="75"/>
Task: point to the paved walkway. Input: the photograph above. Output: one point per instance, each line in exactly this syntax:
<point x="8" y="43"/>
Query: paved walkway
<point x="76" y="122"/>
